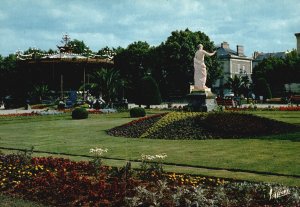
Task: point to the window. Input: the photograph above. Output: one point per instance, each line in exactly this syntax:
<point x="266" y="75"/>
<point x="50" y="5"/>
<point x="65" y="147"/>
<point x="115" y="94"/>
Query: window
<point x="238" y="68"/>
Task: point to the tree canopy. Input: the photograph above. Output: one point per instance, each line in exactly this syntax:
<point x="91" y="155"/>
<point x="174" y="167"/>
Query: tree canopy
<point x="170" y="63"/>
<point x="174" y="61"/>
<point x="278" y="71"/>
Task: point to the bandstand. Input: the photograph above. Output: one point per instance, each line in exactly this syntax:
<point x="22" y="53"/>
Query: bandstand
<point x="61" y="71"/>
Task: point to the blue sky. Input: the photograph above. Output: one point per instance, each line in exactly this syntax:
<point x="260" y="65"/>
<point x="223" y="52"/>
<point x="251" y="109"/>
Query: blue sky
<point x="258" y="25"/>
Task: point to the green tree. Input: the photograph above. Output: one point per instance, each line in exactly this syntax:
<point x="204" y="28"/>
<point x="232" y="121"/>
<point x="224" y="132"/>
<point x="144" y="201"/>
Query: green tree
<point x="79" y="47"/>
<point x="235" y="84"/>
<point x="245" y="85"/>
<point x="133" y="63"/>
<point x="105" y="83"/>
<point x="11" y="80"/>
<point x="262" y="88"/>
<point x="39" y="92"/>
<point x="173" y="63"/>
<point x="278" y="71"/>
<point x="148" y="92"/>
<point x="238" y="85"/>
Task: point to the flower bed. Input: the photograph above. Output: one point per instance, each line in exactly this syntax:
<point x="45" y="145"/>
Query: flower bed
<point x="94" y="111"/>
<point x="19" y="114"/>
<point x="136" y="127"/>
<point x="192" y="125"/>
<point x="61" y="182"/>
<point x="289" y="108"/>
<point x="269" y="108"/>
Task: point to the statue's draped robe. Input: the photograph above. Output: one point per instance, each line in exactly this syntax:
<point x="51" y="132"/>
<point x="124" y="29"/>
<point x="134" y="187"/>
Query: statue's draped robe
<point x="200" y="74"/>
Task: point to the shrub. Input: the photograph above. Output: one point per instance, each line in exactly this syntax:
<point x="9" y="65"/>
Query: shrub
<point x="137" y="112"/>
<point x="80" y="113"/>
<point x="148" y="92"/>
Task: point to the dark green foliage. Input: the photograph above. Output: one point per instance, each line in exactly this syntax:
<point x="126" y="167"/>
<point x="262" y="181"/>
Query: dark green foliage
<point x="278" y="71"/>
<point x="132" y="63"/>
<point x="262" y="88"/>
<point x="80" y="113"/>
<point x="173" y="66"/>
<point x="135" y="128"/>
<point x="137" y="112"/>
<point x="148" y="92"/>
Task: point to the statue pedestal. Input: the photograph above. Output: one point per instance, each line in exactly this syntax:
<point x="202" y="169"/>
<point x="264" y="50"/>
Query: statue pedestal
<point x="201" y="100"/>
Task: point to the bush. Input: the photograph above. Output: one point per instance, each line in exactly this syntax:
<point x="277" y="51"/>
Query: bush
<point x="80" y="113"/>
<point x="137" y="112"/>
<point x="148" y="92"/>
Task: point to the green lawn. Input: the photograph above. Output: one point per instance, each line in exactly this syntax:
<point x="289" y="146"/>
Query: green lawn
<point x="8" y="201"/>
<point x="273" y="154"/>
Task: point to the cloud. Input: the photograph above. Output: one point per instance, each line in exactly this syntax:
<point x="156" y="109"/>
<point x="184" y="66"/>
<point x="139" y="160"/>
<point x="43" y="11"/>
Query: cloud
<point x="258" y="25"/>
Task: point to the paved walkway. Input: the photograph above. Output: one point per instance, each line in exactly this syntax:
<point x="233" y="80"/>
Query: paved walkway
<point x="19" y="111"/>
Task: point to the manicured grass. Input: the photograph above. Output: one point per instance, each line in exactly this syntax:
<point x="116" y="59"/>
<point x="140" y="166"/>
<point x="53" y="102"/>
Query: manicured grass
<point x="271" y="154"/>
<point x="292" y="117"/>
<point x="8" y="201"/>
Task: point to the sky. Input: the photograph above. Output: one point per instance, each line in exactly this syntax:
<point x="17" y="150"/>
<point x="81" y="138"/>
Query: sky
<point x="258" y="25"/>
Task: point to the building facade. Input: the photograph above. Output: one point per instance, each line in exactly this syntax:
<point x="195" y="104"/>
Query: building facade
<point x="233" y="63"/>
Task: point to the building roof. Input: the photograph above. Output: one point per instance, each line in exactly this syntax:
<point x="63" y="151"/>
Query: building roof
<point x="262" y="56"/>
<point x="64" y="56"/>
<point x="222" y="52"/>
<point x="226" y="52"/>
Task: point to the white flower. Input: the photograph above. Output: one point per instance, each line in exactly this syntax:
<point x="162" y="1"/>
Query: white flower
<point x="153" y="157"/>
<point x="98" y="151"/>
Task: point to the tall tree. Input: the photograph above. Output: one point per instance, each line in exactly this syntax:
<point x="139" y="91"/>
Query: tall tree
<point x="132" y="62"/>
<point x="262" y="88"/>
<point x="39" y="92"/>
<point x="174" y="61"/>
<point x="148" y="93"/>
<point x="105" y="83"/>
<point x="238" y="85"/>
<point x="278" y="71"/>
<point x="234" y="84"/>
<point x="11" y="80"/>
<point x="79" y="46"/>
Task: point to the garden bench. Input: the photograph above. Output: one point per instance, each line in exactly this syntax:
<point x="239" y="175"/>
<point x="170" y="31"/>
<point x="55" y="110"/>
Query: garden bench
<point x="226" y="102"/>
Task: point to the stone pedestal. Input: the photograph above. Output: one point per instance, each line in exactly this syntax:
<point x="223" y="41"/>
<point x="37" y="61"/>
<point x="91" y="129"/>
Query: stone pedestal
<point x="201" y="100"/>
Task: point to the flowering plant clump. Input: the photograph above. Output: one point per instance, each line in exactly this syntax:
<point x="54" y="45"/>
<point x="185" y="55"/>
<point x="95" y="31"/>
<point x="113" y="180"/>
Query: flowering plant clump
<point x="20" y="114"/>
<point x="199" y="125"/>
<point x="166" y="120"/>
<point x="97" y="161"/>
<point x="152" y="166"/>
<point x="136" y="127"/>
<point x="269" y="108"/>
<point x="289" y="108"/>
<point x="94" y="111"/>
<point x="62" y="182"/>
<point x="98" y="151"/>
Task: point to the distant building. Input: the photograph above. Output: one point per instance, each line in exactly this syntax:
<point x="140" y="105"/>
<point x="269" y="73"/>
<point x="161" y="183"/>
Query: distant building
<point x="258" y="57"/>
<point x="298" y="42"/>
<point x="233" y="63"/>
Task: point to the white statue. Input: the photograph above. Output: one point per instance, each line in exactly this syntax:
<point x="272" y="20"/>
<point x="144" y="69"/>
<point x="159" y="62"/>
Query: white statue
<point x="200" y="72"/>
